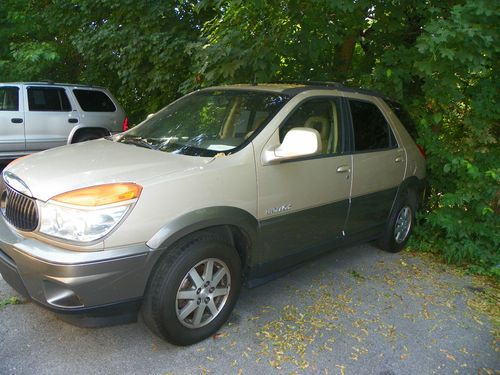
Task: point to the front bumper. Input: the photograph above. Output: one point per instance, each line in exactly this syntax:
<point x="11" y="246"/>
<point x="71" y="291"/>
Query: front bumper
<point x="90" y="284"/>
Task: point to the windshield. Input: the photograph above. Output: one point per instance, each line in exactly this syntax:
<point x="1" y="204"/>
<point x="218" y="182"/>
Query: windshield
<point x="207" y="123"/>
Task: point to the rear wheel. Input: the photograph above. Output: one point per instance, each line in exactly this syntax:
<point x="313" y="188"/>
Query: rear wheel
<point x="88" y="136"/>
<point x="193" y="290"/>
<point x="400" y="226"/>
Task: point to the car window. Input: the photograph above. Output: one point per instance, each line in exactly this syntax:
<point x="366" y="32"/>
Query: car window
<point x="48" y="99"/>
<point x="404" y="117"/>
<point x="371" y="130"/>
<point x="322" y="115"/>
<point x="9" y="99"/>
<point x="208" y="122"/>
<point x="94" y="101"/>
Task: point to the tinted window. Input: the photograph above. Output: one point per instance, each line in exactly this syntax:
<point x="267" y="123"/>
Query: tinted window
<point x="94" y="101"/>
<point x="322" y="115"/>
<point x="371" y="130"/>
<point x="404" y="117"/>
<point x="48" y="99"/>
<point x="9" y="99"/>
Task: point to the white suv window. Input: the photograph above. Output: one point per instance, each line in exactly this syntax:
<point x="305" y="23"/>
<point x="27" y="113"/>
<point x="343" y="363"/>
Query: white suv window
<point x="94" y="101"/>
<point x="51" y="99"/>
<point x="9" y="99"/>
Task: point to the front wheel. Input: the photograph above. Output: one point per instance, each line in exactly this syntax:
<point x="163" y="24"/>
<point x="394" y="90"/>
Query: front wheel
<point x="400" y="226"/>
<point x="193" y="290"/>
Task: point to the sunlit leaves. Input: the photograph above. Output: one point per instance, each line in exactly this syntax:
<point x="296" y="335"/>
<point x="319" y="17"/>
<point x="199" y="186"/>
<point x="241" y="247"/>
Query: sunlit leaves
<point x="441" y="59"/>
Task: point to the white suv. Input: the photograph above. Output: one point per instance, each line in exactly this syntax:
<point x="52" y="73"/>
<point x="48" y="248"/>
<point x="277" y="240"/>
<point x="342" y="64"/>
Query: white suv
<point x="226" y="185"/>
<point x="37" y="116"/>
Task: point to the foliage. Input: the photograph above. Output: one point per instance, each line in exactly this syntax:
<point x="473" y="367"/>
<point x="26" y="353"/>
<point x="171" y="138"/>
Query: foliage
<point x="460" y="132"/>
<point x="9" y="301"/>
<point x="135" y="48"/>
<point x="440" y="58"/>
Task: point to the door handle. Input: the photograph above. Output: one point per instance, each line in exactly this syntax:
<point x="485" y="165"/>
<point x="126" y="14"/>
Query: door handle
<point x="73" y="120"/>
<point x="16" y="120"/>
<point x="399" y="159"/>
<point x="343" y="169"/>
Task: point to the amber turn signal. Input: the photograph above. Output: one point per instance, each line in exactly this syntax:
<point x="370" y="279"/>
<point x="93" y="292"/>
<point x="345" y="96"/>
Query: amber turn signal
<point x="100" y="195"/>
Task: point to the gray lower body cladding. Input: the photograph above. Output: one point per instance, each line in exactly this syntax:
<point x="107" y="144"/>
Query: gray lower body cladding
<point x="86" y="286"/>
<point x="92" y="289"/>
<point x="288" y="240"/>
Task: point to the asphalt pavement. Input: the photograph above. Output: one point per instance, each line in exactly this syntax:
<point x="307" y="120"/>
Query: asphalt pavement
<point x="356" y="310"/>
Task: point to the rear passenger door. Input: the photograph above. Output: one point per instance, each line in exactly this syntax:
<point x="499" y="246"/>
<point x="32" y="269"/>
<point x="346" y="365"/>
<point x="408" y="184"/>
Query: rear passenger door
<point x="378" y="168"/>
<point x="98" y="110"/>
<point x="49" y="117"/>
<point x="11" y="119"/>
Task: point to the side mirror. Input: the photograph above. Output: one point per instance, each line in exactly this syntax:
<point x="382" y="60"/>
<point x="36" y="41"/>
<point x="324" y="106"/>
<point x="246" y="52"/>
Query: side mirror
<point x="298" y="142"/>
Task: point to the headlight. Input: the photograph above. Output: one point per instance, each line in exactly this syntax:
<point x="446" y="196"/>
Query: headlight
<point x="88" y="214"/>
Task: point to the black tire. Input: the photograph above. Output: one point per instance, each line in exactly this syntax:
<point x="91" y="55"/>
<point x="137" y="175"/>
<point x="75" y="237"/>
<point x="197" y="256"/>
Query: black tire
<point x="161" y="306"/>
<point x="88" y="136"/>
<point x="396" y="234"/>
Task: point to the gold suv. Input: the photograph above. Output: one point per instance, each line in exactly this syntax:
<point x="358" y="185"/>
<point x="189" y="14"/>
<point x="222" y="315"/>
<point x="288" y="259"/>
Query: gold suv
<point x="226" y="185"/>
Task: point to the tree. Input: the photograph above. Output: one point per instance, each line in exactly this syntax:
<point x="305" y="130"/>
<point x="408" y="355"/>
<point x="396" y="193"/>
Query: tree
<point x="135" y="48"/>
<point x="439" y="58"/>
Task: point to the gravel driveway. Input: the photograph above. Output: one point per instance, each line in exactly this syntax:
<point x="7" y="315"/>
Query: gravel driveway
<point x="356" y="311"/>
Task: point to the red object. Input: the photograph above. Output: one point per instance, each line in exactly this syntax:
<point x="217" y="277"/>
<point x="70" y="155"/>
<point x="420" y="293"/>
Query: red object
<point x="422" y="151"/>
<point x="125" y="124"/>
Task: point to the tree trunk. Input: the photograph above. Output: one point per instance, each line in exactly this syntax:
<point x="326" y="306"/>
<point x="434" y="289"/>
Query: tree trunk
<point x="344" y="56"/>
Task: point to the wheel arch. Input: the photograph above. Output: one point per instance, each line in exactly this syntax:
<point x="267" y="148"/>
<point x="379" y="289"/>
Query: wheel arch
<point x="415" y="187"/>
<point x="234" y="225"/>
<point x="77" y="130"/>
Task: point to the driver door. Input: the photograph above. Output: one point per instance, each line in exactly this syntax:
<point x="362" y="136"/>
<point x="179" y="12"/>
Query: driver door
<point x="303" y="203"/>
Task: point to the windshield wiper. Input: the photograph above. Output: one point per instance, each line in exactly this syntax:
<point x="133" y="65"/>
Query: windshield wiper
<point x="138" y="141"/>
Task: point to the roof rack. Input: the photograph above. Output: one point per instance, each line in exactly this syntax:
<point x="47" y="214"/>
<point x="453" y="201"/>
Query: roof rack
<point x="49" y="82"/>
<point x="313" y="83"/>
<point x="360" y="90"/>
<point x="338" y="86"/>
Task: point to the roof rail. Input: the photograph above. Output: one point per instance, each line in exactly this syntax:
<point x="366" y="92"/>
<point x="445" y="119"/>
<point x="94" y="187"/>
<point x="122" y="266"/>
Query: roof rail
<point x="361" y="90"/>
<point x="312" y="83"/>
<point x="49" y="82"/>
<point x="338" y="86"/>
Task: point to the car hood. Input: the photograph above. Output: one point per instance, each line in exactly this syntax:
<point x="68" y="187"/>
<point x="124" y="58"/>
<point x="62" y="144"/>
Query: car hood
<point x="71" y="167"/>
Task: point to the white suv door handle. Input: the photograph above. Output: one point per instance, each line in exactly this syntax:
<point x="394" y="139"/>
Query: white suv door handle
<point x="343" y="169"/>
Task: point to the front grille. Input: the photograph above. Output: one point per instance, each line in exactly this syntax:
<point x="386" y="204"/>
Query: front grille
<point x="19" y="210"/>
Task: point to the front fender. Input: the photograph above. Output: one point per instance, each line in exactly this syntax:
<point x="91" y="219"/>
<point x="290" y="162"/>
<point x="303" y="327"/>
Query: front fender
<point x="201" y="219"/>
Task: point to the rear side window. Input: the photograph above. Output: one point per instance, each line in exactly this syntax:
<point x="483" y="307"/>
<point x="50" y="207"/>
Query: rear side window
<point x="9" y="99"/>
<point x="404" y="117"/>
<point x="371" y="130"/>
<point x="51" y="99"/>
<point x="94" y="101"/>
